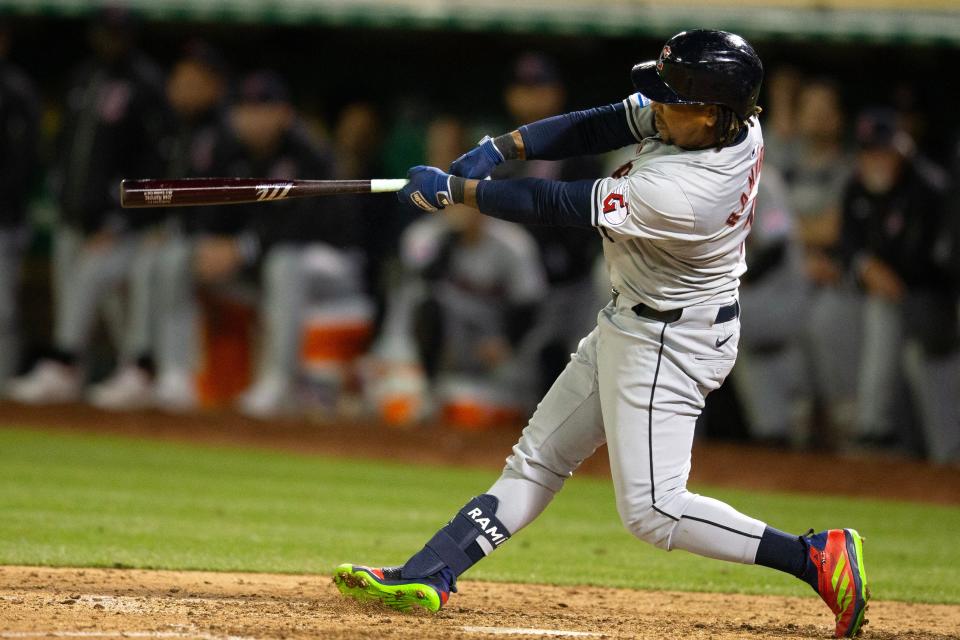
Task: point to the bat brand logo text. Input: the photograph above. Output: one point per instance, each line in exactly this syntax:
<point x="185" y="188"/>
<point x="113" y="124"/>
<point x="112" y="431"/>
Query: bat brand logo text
<point x="158" y="196"/>
<point x="273" y="193"/>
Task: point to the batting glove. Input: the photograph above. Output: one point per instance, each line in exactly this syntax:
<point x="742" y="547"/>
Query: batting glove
<point x="478" y="163"/>
<point x="428" y="188"/>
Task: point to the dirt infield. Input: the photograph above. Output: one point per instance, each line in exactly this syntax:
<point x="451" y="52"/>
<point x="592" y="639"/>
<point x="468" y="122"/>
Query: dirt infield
<point x="94" y="603"/>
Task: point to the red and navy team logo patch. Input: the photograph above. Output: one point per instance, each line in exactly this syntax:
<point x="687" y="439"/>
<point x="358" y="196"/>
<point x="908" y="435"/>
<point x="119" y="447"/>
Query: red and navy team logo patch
<point x="664" y="55"/>
<point x="615" y="209"/>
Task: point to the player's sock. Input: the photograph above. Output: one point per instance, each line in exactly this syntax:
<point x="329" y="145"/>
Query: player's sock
<point x="786" y="552"/>
<point x="472" y="534"/>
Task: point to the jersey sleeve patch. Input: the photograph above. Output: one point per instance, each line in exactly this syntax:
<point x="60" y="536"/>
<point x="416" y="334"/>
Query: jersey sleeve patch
<point x="615" y="206"/>
<point x="634" y="105"/>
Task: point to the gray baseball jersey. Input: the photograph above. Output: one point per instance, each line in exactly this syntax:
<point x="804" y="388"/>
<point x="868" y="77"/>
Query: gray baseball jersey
<point x="674" y="224"/>
<point x="675" y="221"/>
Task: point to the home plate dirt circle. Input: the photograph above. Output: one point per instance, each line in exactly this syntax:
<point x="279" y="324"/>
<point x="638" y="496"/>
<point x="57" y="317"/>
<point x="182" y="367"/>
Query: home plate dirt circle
<point x="115" y="603"/>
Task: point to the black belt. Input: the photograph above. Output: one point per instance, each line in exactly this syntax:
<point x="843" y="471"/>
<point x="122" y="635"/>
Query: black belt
<point x="724" y="314"/>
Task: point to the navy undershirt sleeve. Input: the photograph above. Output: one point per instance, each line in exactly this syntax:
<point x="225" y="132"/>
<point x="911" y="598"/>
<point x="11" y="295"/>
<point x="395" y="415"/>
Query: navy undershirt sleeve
<point x="578" y="133"/>
<point x="537" y="201"/>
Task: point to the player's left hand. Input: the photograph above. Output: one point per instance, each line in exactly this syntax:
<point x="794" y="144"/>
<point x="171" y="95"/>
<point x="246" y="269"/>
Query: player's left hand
<point x="479" y="162"/>
<point x="428" y="189"/>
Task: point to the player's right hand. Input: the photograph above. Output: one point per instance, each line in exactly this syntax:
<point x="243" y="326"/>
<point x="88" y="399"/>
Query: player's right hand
<point x="479" y="162"/>
<point x="428" y="188"/>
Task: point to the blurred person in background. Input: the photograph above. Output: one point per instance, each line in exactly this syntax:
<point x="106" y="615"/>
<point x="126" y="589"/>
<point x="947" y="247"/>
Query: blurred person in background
<point x="356" y="138"/>
<point x="783" y="87"/>
<point x="815" y="171"/>
<point x="536" y="91"/>
<point x="238" y="249"/>
<point x="953" y="208"/>
<point x="897" y="242"/>
<point x="469" y="293"/>
<point x="774" y="294"/>
<point x="196" y="143"/>
<point x="358" y="142"/>
<point x="19" y="145"/>
<point x="113" y="121"/>
<point x="311" y="248"/>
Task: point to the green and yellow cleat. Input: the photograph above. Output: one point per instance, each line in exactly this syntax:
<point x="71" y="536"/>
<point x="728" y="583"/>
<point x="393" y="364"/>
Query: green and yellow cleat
<point x="387" y="586"/>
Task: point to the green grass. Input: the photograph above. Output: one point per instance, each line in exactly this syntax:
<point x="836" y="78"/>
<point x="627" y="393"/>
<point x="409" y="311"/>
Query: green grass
<point x="78" y="500"/>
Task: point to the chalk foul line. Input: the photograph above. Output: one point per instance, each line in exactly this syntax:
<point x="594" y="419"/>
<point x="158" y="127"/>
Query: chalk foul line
<point x="518" y="631"/>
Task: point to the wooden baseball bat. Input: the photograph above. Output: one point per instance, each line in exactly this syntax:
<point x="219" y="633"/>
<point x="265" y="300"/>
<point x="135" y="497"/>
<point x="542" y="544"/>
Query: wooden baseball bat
<point x="136" y="194"/>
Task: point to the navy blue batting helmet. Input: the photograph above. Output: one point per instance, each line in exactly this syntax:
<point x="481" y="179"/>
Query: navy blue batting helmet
<point x="703" y="66"/>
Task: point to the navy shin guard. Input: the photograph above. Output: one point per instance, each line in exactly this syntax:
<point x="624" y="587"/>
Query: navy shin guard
<point x="458" y="544"/>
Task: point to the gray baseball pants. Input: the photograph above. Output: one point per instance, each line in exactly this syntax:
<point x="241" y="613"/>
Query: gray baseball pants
<point x="638" y="385"/>
<point x="291" y="277"/>
<point x="832" y="346"/>
<point x="84" y="279"/>
<point x="934" y="381"/>
<point x="770" y="369"/>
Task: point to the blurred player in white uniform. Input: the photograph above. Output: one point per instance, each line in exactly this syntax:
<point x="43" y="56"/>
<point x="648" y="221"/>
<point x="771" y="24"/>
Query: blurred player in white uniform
<point x="775" y="297"/>
<point x="194" y="134"/>
<point x="675" y="221"/>
<point x="112" y="120"/>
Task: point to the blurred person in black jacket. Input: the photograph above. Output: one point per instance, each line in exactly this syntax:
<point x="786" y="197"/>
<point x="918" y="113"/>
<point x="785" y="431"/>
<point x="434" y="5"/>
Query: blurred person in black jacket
<point x="535" y="91"/>
<point x="285" y="252"/>
<point x="19" y="141"/>
<point x="197" y="142"/>
<point x="112" y="127"/>
<point x="896" y="239"/>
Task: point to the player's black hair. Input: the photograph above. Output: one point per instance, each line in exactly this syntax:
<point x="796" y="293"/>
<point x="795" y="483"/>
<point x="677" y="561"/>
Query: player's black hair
<point x="729" y="125"/>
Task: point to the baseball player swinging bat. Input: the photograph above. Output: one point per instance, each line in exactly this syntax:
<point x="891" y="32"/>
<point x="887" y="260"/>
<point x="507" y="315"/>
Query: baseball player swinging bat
<point x="139" y="194"/>
<point x="674" y="221"/>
